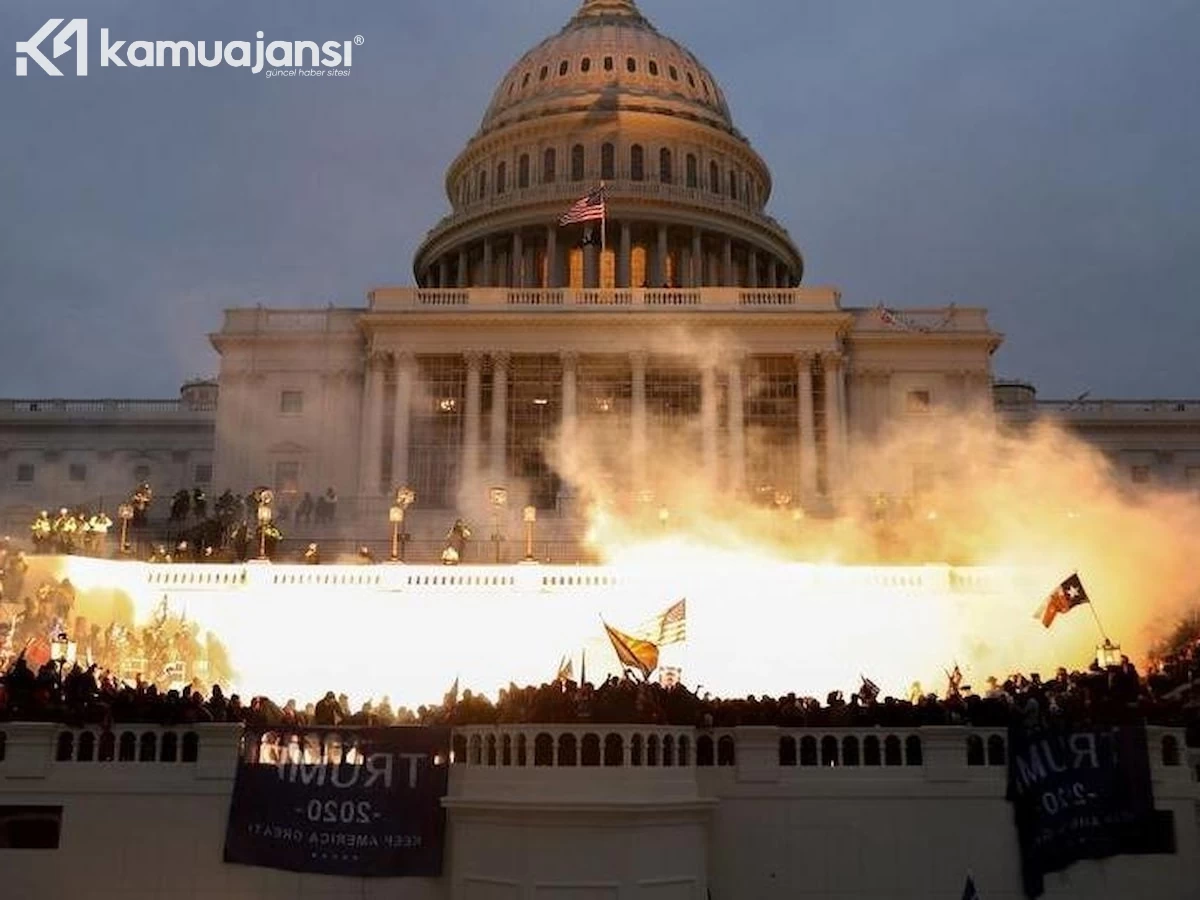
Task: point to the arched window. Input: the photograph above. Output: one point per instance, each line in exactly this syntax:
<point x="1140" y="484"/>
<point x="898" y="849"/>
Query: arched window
<point x="608" y="64"/>
<point x="850" y="751"/>
<point x="691" y="170"/>
<point x="995" y="750"/>
<point x="523" y="171"/>
<point x="653" y="67"/>
<point x="608" y="163"/>
<point x="543" y="750"/>
<point x="542" y="74"/>
<point x="674" y="72"/>
<point x="501" y="177"/>
<point x="577" y="162"/>
<point x="631" y="64"/>
<point x="567" y="748"/>
<point x="589" y="750"/>
<point x="665" y="172"/>
<point x="482" y="185"/>
<point x="549" y="160"/>
<point x="714" y="178"/>
<point x="511" y="86"/>
<point x="704" y="84"/>
<point x="733" y="180"/>
<point x="563" y="67"/>
<point x="637" y="163"/>
<point x="525" y="80"/>
<point x="585" y="64"/>
<point x="614" y="750"/>
<point x="787" y="751"/>
<point x="691" y="79"/>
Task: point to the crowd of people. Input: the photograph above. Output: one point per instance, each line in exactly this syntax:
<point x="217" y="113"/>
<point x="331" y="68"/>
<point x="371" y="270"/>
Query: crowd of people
<point x="227" y="530"/>
<point x="1168" y="694"/>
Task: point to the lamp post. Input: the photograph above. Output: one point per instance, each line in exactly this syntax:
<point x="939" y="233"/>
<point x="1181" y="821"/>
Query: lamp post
<point x="396" y="517"/>
<point x="125" y="514"/>
<point x="499" y="500"/>
<point x="530" y="514"/>
<point x="264" y="519"/>
<point x="404" y="499"/>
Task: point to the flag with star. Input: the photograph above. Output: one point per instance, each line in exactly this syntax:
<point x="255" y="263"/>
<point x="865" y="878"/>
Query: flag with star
<point x="1062" y="599"/>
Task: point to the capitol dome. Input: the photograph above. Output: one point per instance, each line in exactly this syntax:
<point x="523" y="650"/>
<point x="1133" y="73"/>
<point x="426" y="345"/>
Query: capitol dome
<point x="608" y="55"/>
<point x="610" y="102"/>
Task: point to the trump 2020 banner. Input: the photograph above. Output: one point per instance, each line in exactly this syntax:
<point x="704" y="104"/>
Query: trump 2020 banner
<point x="363" y="803"/>
<point x="1082" y="794"/>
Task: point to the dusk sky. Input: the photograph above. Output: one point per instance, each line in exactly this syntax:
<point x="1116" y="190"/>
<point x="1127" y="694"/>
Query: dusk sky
<point x="1039" y="159"/>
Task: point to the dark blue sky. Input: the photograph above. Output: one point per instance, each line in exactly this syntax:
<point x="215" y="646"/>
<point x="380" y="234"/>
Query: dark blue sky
<point x="1036" y="158"/>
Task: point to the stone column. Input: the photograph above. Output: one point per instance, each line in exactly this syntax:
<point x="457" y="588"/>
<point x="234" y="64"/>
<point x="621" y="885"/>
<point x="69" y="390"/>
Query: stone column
<point x="772" y="274"/>
<point x="552" y="256"/>
<point x="443" y="272"/>
<point x="727" y="262"/>
<point x="472" y="416"/>
<point x="570" y="369"/>
<point x="737" y="427"/>
<point x="834" y="423"/>
<point x="499" y="446"/>
<point x="708" y="421"/>
<point x="463" y="273"/>
<point x="637" y="361"/>
<point x="486" y="281"/>
<point x="406" y="365"/>
<point x="752" y="268"/>
<point x="697" y="258"/>
<point x="660" y="258"/>
<point x="625" y="257"/>
<point x="591" y="264"/>
<point x="518" y="261"/>
<point x="808" y="427"/>
<point x="371" y="452"/>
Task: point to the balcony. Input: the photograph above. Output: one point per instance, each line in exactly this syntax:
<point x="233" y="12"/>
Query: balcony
<point x="411" y="299"/>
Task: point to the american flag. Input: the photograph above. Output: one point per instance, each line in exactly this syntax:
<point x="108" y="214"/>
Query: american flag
<point x="590" y="209"/>
<point x="672" y="625"/>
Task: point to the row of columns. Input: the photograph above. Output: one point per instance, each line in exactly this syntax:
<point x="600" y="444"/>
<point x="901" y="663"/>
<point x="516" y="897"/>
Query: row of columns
<point x="374" y="392"/>
<point x="520" y="271"/>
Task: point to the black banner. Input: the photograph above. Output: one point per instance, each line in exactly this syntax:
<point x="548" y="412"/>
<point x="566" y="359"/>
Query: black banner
<point x="1082" y="794"/>
<point x="364" y="803"/>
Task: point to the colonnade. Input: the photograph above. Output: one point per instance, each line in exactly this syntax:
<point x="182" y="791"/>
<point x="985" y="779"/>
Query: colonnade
<point x="828" y="443"/>
<point x="668" y="255"/>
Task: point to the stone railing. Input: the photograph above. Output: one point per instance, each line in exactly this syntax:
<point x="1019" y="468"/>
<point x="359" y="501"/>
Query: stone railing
<point x="75" y="409"/>
<point x="403" y="299"/>
<point x="30" y="750"/>
<point x="260" y="319"/>
<point x="1120" y="409"/>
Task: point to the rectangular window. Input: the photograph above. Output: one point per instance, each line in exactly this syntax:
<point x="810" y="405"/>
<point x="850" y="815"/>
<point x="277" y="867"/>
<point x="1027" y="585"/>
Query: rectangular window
<point x="30" y="827"/>
<point x="77" y="472"/>
<point x="917" y="401"/>
<point x="1140" y="474"/>
<point x="287" y="477"/>
<point x="203" y="473"/>
<point x="291" y="403"/>
<point x="25" y="473"/>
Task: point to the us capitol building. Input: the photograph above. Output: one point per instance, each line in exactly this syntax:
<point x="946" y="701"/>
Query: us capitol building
<point x="683" y="336"/>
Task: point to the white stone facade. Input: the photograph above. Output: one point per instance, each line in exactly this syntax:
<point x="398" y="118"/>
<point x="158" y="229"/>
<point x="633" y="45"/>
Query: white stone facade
<point x="739" y="813"/>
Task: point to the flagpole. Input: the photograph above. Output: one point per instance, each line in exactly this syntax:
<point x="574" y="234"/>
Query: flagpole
<point x="603" y="232"/>
<point x="1092" y="606"/>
